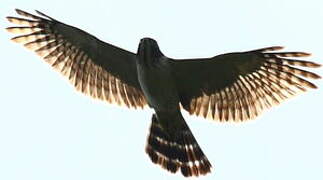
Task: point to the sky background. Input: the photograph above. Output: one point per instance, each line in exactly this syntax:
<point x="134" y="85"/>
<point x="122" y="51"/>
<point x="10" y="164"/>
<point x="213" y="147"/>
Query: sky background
<point x="48" y="131"/>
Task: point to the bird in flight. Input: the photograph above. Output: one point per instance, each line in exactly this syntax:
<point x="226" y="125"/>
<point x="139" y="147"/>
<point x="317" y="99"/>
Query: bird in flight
<point x="229" y="87"/>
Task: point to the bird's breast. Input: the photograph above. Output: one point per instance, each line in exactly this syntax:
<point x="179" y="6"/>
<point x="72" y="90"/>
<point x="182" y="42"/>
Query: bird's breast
<point x="158" y="85"/>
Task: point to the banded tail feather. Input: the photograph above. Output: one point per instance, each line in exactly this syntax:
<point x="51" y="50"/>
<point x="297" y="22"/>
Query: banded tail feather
<point x="228" y="87"/>
<point x="180" y="151"/>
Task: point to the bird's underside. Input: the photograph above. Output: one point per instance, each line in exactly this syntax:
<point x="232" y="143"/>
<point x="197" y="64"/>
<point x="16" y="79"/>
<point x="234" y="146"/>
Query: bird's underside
<point x="228" y="87"/>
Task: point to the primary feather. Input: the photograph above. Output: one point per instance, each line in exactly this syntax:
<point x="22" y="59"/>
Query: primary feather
<point x="228" y="87"/>
<point x="95" y="68"/>
<point x="239" y="86"/>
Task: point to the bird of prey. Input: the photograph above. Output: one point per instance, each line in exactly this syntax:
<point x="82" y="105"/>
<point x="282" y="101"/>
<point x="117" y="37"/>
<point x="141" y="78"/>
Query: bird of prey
<point x="228" y="87"/>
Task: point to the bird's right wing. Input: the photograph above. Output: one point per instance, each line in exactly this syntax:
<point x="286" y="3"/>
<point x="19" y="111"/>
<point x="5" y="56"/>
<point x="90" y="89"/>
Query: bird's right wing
<point x="94" y="67"/>
<point x="239" y="86"/>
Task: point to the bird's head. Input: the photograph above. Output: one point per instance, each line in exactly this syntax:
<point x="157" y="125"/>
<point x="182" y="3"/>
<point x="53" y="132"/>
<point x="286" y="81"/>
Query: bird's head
<point x="148" y="51"/>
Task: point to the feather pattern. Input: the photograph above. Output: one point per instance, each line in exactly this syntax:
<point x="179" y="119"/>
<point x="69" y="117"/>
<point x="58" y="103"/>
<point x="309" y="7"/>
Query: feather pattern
<point x="181" y="152"/>
<point x="73" y="53"/>
<point x="228" y="87"/>
<point x="239" y="86"/>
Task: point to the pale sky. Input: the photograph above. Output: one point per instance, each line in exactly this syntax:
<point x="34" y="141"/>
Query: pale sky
<point x="48" y="131"/>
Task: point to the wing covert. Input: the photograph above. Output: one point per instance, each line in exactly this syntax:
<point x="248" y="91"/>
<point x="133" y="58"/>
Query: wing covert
<point x="239" y="86"/>
<point x="94" y="67"/>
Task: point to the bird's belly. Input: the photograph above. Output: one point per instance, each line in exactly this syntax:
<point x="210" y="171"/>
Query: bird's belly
<point x="159" y="89"/>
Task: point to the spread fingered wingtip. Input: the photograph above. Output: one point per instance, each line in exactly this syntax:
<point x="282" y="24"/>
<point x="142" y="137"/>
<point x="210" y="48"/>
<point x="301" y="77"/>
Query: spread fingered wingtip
<point x="26" y="14"/>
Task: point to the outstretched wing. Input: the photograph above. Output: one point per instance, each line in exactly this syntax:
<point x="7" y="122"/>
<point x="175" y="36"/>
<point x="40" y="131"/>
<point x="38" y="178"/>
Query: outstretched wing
<point x="94" y="67"/>
<point x="238" y="86"/>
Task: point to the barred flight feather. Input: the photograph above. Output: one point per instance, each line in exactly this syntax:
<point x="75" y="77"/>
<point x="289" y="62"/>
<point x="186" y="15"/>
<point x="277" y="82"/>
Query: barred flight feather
<point x="39" y="35"/>
<point x="229" y="87"/>
<point x="270" y="84"/>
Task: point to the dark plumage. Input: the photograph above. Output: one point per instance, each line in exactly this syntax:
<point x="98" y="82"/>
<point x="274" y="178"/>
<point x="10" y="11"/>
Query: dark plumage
<point x="229" y="87"/>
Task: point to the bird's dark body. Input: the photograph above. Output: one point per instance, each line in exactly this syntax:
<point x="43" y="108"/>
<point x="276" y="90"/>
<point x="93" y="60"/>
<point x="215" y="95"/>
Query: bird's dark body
<point x="169" y="134"/>
<point x="156" y="79"/>
<point x="227" y="87"/>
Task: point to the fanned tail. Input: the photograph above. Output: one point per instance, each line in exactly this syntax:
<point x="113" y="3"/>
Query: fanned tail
<point x="178" y="151"/>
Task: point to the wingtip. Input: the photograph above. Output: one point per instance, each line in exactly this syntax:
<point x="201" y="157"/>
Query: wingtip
<point x="39" y="12"/>
<point x="271" y="48"/>
<point x="13" y="40"/>
<point x="275" y="48"/>
<point x="7" y="29"/>
<point x="19" y="39"/>
<point x="314" y="87"/>
<point x="9" y="18"/>
<point x="12" y="30"/>
<point x="43" y="14"/>
<point x="304" y="54"/>
<point x="19" y="11"/>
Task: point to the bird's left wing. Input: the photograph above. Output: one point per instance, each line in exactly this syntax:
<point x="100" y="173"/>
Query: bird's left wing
<point x="238" y="86"/>
<point x="94" y="67"/>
